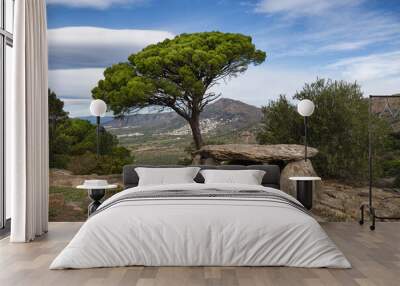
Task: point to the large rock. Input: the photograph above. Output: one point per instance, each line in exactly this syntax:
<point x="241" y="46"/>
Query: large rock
<point x="253" y="153"/>
<point x="297" y="169"/>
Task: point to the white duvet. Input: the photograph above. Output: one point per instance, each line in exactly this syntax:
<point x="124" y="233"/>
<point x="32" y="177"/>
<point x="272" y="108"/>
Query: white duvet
<point x="200" y="231"/>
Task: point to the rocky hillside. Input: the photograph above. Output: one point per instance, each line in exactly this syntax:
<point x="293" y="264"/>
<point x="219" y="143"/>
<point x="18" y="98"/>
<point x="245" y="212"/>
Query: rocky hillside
<point x="225" y="114"/>
<point x="388" y="109"/>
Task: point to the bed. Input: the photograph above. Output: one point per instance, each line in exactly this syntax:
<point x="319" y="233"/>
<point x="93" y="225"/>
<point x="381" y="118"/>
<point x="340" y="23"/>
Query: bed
<point x="198" y="224"/>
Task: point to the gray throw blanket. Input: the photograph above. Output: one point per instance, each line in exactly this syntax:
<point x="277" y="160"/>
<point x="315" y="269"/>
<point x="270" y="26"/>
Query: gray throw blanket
<point x="206" y="194"/>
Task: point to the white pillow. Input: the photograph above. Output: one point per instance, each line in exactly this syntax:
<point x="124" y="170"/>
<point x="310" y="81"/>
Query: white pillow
<point x="166" y="176"/>
<point x="248" y="177"/>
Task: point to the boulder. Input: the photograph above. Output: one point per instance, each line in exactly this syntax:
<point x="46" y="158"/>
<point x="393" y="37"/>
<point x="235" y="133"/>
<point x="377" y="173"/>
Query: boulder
<point x="296" y="169"/>
<point x="253" y="153"/>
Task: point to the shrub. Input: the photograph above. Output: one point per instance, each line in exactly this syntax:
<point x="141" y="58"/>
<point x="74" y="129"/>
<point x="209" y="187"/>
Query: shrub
<point x="59" y="161"/>
<point x="391" y="167"/>
<point x="88" y="163"/>
<point x="338" y="128"/>
<point x="396" y="183"/>
<point x="83" y="165"/>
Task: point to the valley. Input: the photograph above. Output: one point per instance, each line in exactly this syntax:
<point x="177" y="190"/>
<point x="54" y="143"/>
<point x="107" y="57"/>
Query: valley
<point x="165" y="137"/>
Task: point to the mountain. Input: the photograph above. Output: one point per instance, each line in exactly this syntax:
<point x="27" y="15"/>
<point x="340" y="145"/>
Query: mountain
<point x="224" y="114"/>
<point x="389" y="109"/>
<point x="92" y="119"/>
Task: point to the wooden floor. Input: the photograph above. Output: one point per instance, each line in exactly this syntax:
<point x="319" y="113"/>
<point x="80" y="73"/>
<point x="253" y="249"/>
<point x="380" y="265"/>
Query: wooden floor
<point x="375" y="257"/>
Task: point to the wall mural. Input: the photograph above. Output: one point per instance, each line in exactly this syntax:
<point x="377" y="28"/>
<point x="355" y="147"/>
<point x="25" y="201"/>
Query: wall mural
<point x="181" y="75"/>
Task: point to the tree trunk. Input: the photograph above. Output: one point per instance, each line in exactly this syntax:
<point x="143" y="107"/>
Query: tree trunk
<point x="194" y="123"/>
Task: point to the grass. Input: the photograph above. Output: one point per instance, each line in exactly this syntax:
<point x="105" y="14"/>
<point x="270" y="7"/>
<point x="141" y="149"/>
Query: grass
<point x="70" y="204"/>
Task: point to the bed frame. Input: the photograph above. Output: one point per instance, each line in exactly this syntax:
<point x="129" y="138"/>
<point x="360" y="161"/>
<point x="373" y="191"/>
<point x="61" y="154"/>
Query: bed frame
<point x="271" y="178"/>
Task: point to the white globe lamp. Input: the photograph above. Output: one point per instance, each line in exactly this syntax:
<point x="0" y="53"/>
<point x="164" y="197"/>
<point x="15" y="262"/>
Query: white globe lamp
<point x="305" y="108"/>
<point x="98" y="108"/>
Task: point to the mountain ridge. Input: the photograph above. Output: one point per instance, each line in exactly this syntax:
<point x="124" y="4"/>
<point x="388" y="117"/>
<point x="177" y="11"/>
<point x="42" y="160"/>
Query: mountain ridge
<point x="224" y="113"/>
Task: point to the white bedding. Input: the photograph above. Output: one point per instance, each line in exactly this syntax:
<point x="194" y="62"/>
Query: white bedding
<point x="200" y="231"/>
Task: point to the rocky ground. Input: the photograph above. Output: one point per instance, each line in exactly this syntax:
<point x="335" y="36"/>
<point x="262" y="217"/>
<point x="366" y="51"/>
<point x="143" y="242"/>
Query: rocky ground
<point x="336" y="201"/>
<point x="333" y="201"/>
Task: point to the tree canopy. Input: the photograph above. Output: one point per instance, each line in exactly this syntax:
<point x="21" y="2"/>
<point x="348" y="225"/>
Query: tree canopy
<point x="178" y="74"/>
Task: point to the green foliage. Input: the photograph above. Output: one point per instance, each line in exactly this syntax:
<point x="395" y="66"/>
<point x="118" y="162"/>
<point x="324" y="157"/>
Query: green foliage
<point x="394" y="144"/>
<point x="56" y="108"/>
<point x="391" y="167"/>
<point x="83" y="164"/>
<point x="396" y="183"/>
<point x="88" y="163"/>
<point x="281" y="123"/>
<point x="338" y="128"/>
<point x="177" y="74"/>
<point x="60" y="161"/>
<point x="73" y="145"/>
<point x="114" y="162"/>
<point x="57" y="116"/>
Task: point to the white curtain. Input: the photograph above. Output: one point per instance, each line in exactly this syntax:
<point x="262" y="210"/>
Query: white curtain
<point x="27" y="124"/>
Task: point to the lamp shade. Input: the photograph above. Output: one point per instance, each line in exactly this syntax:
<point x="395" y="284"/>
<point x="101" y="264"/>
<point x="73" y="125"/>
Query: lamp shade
<point x="305" y="107"/>
<point x="98" y="107"/>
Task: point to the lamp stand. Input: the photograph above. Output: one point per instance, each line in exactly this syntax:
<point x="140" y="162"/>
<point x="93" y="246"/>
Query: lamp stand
<point x="98" y="136"/>
<point x="305" y="138"/>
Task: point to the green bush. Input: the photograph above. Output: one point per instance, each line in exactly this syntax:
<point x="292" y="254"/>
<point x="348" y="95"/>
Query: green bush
<point x="88" y="163"/>
<point x="59" y="161"/>
<point x="338" y="128"/>
<point x="396" y="183"/>
<point x="113" y="163"/>
<point x="84" y="164"/>
<point x="391" y="167"/>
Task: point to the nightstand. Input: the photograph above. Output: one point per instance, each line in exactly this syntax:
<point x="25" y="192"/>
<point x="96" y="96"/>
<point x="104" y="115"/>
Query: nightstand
<point x="96" y="192"/>
<point x="304" y="190"/>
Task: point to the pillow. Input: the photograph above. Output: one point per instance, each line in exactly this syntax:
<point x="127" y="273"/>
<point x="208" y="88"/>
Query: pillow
<point x="248" y="177"/>
<point x="166" y="176"/>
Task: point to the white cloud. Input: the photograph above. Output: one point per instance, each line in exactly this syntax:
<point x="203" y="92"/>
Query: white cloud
<point x="74" y="83"/>
<point x="345" y="46"/>
<point x="96" y="4"/>
<point x="301" y="7"/>
<point x="263" y="83"/>
<point x="375" y="66"/>
<point x="73" y="47"/>
<point x="73" y="86"/>
<point x="266" y="82"/>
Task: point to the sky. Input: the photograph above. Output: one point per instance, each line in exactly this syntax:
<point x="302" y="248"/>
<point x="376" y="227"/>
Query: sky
<point x="352" y="40"/>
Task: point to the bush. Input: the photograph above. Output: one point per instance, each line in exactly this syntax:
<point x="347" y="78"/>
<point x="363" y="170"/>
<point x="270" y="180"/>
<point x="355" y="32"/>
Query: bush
<point x="88" y="163"/>
<point x="59" y="161"/>
<point x="396" y="183"/>
<point x="338" y="128"/>
<point x="84" y="164"/>
<point x="391" y="168"/>
<point x="113" y="164"/>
